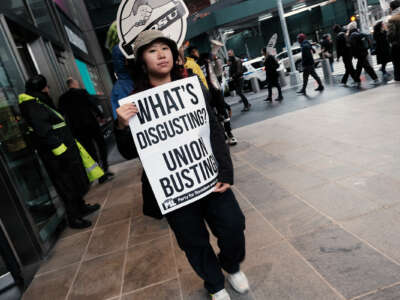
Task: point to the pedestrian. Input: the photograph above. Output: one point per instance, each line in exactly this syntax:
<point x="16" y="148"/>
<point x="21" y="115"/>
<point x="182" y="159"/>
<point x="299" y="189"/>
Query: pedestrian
<point x="327" y="49"/>
<point x="271" y="71"/>
<point x="307" y="60"/>
<point x="157" y="56"/>
<point x="217" y="97"/>
<point x="382" y="48"/>
<point x="80" y="109"/>
<point x="394" y="36"/>
<point x="191" y="63"/>
<point x="58" y="150"/>
<point x="359" y="48"/>
<point x="343" y="49"/>
<point x="236" y="75"/>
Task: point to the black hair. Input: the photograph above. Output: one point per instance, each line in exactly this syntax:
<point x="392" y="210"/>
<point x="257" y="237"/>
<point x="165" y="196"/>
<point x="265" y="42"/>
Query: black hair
<point x="191" y="48"/>
<point x="337" y="28"/>
<point x="139" y="73"/>
<point x="35" y="84"/>
<point x="70" y="81"/>
<point x="395" y="4"/>
<point x="377" y="29"/>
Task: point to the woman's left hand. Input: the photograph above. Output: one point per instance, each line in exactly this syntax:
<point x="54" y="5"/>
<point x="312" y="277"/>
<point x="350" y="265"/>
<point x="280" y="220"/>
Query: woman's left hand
<point x="221" y="187"/>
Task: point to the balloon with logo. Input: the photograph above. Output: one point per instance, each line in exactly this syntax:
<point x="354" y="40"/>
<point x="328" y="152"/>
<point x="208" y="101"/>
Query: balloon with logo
<point x="135" y="16"/>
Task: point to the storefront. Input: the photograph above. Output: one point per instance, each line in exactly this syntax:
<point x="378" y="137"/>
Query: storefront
<point x="33" y="40"/>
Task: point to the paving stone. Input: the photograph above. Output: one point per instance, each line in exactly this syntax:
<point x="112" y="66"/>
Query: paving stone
<point x="381" y="229"/>
<point x="391" y="293"/>
<point x="338" y="202"/>
<point x="278" y="272"/>
<point x="349" y="265"/>
<point x="165" y="291"/>
<point x="292" y="217"/>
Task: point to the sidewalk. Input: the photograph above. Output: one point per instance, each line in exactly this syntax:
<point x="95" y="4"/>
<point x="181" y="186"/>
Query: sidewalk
<point x="320" y="188"/>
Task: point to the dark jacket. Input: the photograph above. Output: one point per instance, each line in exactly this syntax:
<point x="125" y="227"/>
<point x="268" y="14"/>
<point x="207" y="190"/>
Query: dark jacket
<point x="382" y="47"/>
<point x="79" y="109"/>
<point x="343" y="48"/>
<point x="327" y="49"/>
<point x="56" y="146"/>
<point x="123" y="87"/>
<point x="394" y="29"/>
<point x="307" y="52"/>
<point x="271" y="67"/>
<point x="236" y="68"/>
<point x="127" y="149"/>
<point x="356" y="40"/>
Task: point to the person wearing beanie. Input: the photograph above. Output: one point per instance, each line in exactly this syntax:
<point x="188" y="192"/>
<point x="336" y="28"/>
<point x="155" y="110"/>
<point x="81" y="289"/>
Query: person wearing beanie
<point x="157" y="58"/>
<point x="58" y="150"/>
<point x="307" y="60"/>
<point x="394" y="36"/>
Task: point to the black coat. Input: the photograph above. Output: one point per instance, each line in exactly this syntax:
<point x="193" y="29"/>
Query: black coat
<point x="271" y="67"/>
<point x="382" y="47"/>
<point x="79" y="108"/>
<point x="327" y="48"/>
<point x="343" y="48"/>
<point x="307" y="51"/>
<point x="127" y="149"/>
<point x="65" y="170"/>
<point x="357" y="48"/>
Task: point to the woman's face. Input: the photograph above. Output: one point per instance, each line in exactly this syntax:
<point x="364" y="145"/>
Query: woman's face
<point x="158" y="59"/>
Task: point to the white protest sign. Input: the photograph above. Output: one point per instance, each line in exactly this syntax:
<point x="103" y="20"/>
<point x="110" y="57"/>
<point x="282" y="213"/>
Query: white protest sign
<point x="271" y="44"/>
<point x="135" y="16"/>
<point x="172" y="136"/>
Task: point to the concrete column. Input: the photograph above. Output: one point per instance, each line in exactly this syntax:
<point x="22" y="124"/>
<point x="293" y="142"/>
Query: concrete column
<point x="294" y="75"/>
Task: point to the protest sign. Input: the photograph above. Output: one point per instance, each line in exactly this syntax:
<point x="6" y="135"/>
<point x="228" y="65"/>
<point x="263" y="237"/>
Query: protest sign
<point x="135" y="16"/>
<point x="171" y="132"/>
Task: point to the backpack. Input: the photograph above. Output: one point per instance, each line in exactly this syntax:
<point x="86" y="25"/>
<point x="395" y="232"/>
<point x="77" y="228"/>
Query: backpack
<point x="365" y="42"/>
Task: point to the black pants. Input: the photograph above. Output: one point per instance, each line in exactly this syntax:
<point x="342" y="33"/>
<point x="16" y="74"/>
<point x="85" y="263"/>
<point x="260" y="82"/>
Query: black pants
<point x="307" y="71"/>
<point x="396" y="61"/>
<point x="348" y="65"/>
<point x="87" y="138"/>
<point x="362" y="62"/>
<point x="226" y="221"/>
<point x="274" y="83"/>
<point x="219" y="103"/>
<point x="239" y="83"/>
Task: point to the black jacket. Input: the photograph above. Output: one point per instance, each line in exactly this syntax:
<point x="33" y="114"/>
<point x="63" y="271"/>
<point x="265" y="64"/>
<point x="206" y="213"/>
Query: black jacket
<point x="327" y="49"/>
<point x="127" y="149"/>
<point x="382" y="47"/>
<point x="307" y="52"/>
<point x="236" y="68"/>
<point x="357" y="46"/>
<point x="271" y="67"/>
<point x="56" y="147"/>
<point x="79" y="109"/>
<point x="343" y="48"/>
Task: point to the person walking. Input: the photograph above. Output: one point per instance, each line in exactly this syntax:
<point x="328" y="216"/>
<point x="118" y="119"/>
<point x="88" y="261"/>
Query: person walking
<point x="394" y="36"/>
<point x="307" y="60"/>
<point x="80" y="109"/>
<point x="236" y="74"/>
<point x="271" y="67"/>
<point x="382" y="48"/>
<point x="58" y="150"/>
<point x="359" y="49"/>
<point x="217" y="97"/>
<point x="343" y="49"/>
<point x="327" y="49"/>
<point x="156" y="57"/>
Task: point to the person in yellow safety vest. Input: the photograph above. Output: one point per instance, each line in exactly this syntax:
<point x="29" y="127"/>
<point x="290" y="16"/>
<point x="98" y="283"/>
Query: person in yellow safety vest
<point x="192" y="65"/>
<point x="59" y="151"/>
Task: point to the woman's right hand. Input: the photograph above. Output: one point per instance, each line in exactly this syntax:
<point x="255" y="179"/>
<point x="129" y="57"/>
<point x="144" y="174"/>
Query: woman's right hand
<point x="125" y="113"/>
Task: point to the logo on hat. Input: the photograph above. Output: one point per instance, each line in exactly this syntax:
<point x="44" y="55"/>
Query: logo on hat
<point x="135" y="16"/>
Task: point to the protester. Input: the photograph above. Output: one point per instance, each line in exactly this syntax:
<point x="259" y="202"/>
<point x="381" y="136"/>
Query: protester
<point x="217" y="97"/>
<point x="343" y="49"/>
<point x="80" y="109"/>
<point x="382" y="48"/>
<point x="359" y="49"/>
<point x="191" y="63"/>
<point x="307" y="60"/>
<point x="236" y="74"/>
<point x="327" y="49"/>
<point x="394" y="36"/>
<point x="271" y="67"/>
<point x="157" y="55"/>
<point x="56" y="146"/>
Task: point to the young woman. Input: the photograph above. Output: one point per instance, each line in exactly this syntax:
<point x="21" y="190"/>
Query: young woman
<point x="156" y="60"/>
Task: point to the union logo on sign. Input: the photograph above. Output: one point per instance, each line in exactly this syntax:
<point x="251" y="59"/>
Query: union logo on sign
<point x="135" y="16"/>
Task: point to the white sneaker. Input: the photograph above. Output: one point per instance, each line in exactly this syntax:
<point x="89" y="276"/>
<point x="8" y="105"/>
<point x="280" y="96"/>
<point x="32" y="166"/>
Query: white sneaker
<point x="232" y="141"/>
<point x="239" y="282"/>
<point x="221" y="295"/>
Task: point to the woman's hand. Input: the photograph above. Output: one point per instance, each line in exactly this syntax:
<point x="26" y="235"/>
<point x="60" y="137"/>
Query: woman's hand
<point x="125" y="113"/>
<point x="221" y="187"/>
